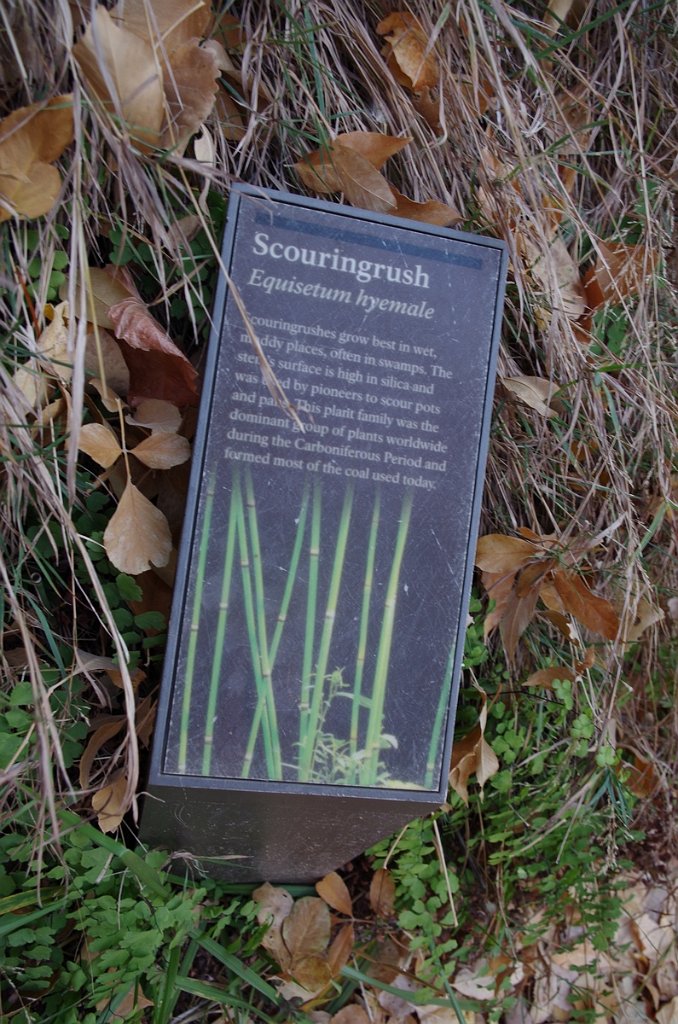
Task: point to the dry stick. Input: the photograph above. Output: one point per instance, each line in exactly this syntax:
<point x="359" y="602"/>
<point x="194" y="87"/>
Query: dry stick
<point x="222" y="619"/>
<point x="252" y="635"/>
<point x="374" y="727"/>
<point x="282" y="616"/>
<point x="310" y="738"/>
<point x="258" y="573"/>
<point x="311" y="601"/>
<point x="359" y="701"/>
<point x="441" y="712"/>
<point x="195" y="626"/>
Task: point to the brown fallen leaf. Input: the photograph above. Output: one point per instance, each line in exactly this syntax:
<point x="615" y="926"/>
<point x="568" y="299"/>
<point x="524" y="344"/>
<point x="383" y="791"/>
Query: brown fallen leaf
<point x="162" y="450"/>
<point x="104" y="361"/>
<point x="430" y="212"/>
<point x="122" y="72"/>
<point x="619" y="272"/>
<point x="101" y="735"/>
<point x="407" y="52"/>
<point x="646" y="615"/>
<point x="340" y="951"/>
<point x="546" y="677"/>
<point x="275" y="904"/>
<point x="165" y="23"/>
<point x="137" y="534"/>
<point x="99" y="442"/>
<point x="382" y="893"/>
<point x="156" y="415"/>
<point x="321" y="172"/>
<point x="557" y="274"/>
<point x="497" y="553"/>
<point x="109" y="804"/>
<point x="594" y="612"/>
<point x="351" y="1014"/>
<point x="306" y="929"/>
<point x="361" y="182"/>
<point x="473" y="755"/>
<point x="31" y="139"/>
<point x="190" y="85"/>
<point x="158" y="369"/>
<point x="332" y="889"/>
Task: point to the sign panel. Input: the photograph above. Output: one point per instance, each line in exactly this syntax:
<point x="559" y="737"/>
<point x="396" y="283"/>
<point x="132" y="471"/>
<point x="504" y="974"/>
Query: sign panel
<point x="323" y="585"/>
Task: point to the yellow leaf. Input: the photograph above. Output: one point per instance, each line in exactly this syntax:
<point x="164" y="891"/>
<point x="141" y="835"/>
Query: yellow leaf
<point x="122" y="71"/>
<point x="31" y="138"/>
<point x="408" y="50"/>
<point x="162" y="450"/>
<point x="109" y="804"/>
<point x="100" y="443"/>
<point x="382" y="893"/>
<point x="332" y="889"/>
<point x="138" y="535"/>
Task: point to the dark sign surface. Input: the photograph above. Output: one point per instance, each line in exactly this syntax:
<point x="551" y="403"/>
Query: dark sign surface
<point x="323" y="585"/>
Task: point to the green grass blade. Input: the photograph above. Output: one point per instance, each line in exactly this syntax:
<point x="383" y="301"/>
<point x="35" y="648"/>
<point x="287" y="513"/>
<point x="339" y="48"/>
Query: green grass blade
<point x="311" y="602"/>
<point x="375" y="723"/>
<point x="194" y="630"/>
<point x="237" y="967"/>
<point x="441" y="714"/>
<point x="364" y="625"/>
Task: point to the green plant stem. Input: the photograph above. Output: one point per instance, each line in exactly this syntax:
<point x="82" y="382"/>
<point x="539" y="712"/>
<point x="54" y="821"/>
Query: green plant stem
<point x="375" y="723"/>
<point x="282" y="617"/>
<point x="310" y="737"/>
<point x="359" y="701"/>
<point x="311" y="601"/>
<point x="269" y="731"/>
<point x="441" y="715"/>
<point x="222" y="619"/>
<point x="194" y="629"/>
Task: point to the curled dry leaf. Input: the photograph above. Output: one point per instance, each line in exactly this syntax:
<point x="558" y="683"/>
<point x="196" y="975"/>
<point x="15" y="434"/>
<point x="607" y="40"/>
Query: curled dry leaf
<point x="407" y="53"/>
<point x="102" y="734"/>
<point x="533" y="391"/>
<point x="619" y="271"/>
<point x="52" y="359"/>
<point x="109" y="804"/>
<point x="138" y="534"/>
<point x="430" y="212"/>
<point x="646" y="615"/>
<point x="546" y="677"/>
<point x="382" y="893"/>
<point x="339" y="952"/>
<point x="31" y="139"/>
<point x="332" y="889"/>
<point x="121" y="70"/>
<point x="99" y="442"/>
<point x="162" y="451"/>
<point x="158" y="369"/>
<point x="190" y="87"/>
<point x="556" y="272"/>
<point x="594" y="612"/>
<point x="473" y="755"/>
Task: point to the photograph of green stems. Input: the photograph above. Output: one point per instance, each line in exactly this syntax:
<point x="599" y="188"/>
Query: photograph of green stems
<point x="320" y="716"/>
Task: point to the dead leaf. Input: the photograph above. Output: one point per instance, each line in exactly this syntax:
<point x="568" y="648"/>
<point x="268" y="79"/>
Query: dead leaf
<point x="340" y="951"/>
<point x="99" y="442"/>
<point x="158" y="369"/>
<point x="164" y="23"/>
<point x="497" y="553"/>
<point x="547" y="676"/>
<point x="382" y="893"/>
<point x="306" y="929"/>
<point x="642" y="777"/>
<point x="104" y="361"/>
<point x="332" y="889"/>
<point x="474" y="982"/>
<point x="311" y="972"/>
<point x="162" y="450"/>
<point x="109" y="804"/>
<point x="190" y="87"/>
<point x="668" y="1013"/>
<point x="103" y="289"/>
<point x="407" y="52"/>
<point x="351" y="1014"/>
<point x="594" y="612"/>
<point x="351" y="165"/>
<point x="121" y="71"/>
<point x="31" y="139"/>
<point x="101" y="735"/>
<point x="646" y="615"/>
<point x="374" y="146"/>
<point x="275" y="904"/>
<point x="430" y="212"/>
<point x="533" y="391"/>
<point x="555" y="271"/>
<point x="137" y="534"/>
<point x="52" y="360"/>
<point x="156" y="415"/>
<point x="561" y="11"/>
<point x="619" y="271"/>
<point x="473" y="755"/>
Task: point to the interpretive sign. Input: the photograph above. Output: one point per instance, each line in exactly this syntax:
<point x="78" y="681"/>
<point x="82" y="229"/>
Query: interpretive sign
<point x="317" y="631"/>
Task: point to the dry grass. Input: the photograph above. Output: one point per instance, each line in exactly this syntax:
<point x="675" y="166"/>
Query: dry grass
<point x="601" y="474"/>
